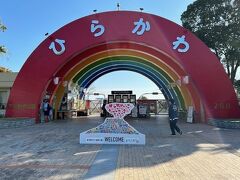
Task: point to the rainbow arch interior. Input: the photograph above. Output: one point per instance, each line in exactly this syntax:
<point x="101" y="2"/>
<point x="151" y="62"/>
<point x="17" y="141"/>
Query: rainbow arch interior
<point x="87" y="58"/>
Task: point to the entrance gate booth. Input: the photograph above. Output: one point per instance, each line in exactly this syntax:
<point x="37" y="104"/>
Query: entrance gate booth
<point x="122" y="97"/>
<point x="166" y="53"/>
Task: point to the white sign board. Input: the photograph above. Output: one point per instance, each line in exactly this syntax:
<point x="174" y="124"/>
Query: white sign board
<point x="142" y="110"/>
<point x="190" y="114"/>
<point x="111" y="138"/>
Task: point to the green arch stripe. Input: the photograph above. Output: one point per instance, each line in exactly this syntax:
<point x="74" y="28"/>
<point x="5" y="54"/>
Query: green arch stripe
<point x="101" y="63"/>
<point x="126" y="58"/>
<point x="95" y="68"/>
<point x="140" y="71"/>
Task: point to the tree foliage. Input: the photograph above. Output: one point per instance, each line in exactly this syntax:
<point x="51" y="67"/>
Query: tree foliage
<point x="2" y="48"/>
<point x="3" y="69"/>
<point x="217" y="23"/>
<point x="237" y="87"/>
<point x="143" y="98"/>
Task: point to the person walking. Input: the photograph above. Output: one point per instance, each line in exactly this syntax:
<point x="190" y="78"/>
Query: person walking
<point x="173" y="117"/>
<point x="104" y="111"/>
<point x="46" y="110"/>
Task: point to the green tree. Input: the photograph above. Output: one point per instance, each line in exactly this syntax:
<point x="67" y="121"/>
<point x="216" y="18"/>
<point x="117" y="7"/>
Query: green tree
<point x="217" y="23"/>
<point x="2" y="48"/>
<point x="237" y="87"/>
<point x="3" y="69"/>
<point x="143" y="98"/>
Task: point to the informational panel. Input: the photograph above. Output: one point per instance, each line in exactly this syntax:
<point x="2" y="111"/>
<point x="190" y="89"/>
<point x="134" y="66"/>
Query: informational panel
<point x="133" y="99"/>
<point x="110" y="98"/>
<point x="125" y="99"/>
<point x="190" y="114"/>
<point x="142" y="109"/>
<point x="121" y="92"/>
<point x="118" y="98"/>
<point x="114" y="130"/>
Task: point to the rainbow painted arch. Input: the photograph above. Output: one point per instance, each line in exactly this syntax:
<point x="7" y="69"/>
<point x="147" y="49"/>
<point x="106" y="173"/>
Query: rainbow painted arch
<point x="102" y="43"/>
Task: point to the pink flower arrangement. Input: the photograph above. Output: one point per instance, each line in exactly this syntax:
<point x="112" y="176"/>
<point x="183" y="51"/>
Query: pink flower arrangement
<point x="119" y="110"/>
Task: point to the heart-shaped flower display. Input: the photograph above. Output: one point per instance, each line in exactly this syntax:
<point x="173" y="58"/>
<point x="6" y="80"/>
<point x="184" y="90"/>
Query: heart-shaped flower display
<point x="119" y="110"/>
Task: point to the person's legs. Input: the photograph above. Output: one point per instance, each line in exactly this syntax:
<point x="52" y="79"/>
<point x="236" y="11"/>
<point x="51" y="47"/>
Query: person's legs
<point x="46" y="119"/>
<point x="172" y="127"/>
<point x="46" y="114"/>
<point x="176" y="127"/>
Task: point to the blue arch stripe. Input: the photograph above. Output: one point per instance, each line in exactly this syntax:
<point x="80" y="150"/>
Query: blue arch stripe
<point x="157" y="78"/>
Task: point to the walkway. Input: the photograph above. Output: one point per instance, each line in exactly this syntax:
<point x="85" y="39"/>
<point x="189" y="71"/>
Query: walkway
<point x="52" y="151"/>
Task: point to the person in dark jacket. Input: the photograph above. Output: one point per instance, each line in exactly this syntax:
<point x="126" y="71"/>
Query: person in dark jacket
<point x="104" y="111"/>
<point x="173" y="117"/>
<point x="46" y="110"/>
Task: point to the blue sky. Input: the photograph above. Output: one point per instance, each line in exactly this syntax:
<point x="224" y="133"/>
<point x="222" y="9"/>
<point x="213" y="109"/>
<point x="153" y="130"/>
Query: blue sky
<point x="28" y="21"/>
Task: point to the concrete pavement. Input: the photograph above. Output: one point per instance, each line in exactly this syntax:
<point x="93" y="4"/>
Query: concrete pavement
<point x="52" y="151"/>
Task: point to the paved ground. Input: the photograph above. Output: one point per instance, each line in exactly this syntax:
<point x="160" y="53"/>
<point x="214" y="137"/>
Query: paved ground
<point x="52" y="151"/>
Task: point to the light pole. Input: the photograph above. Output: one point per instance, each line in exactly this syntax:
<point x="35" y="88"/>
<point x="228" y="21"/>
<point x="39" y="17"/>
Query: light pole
<point x="118" y="6"/>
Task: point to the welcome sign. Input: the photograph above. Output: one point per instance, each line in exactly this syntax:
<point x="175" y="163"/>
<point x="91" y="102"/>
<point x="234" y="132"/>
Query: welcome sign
<point x="114" y="130"/>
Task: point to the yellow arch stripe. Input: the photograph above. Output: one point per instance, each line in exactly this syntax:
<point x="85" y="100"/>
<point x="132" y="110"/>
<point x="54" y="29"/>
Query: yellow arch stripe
<point x="126" y="52"/>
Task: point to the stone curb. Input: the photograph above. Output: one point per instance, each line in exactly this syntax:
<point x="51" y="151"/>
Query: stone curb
<point x="228" y="124"/>
<point x="4" y="124"/>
